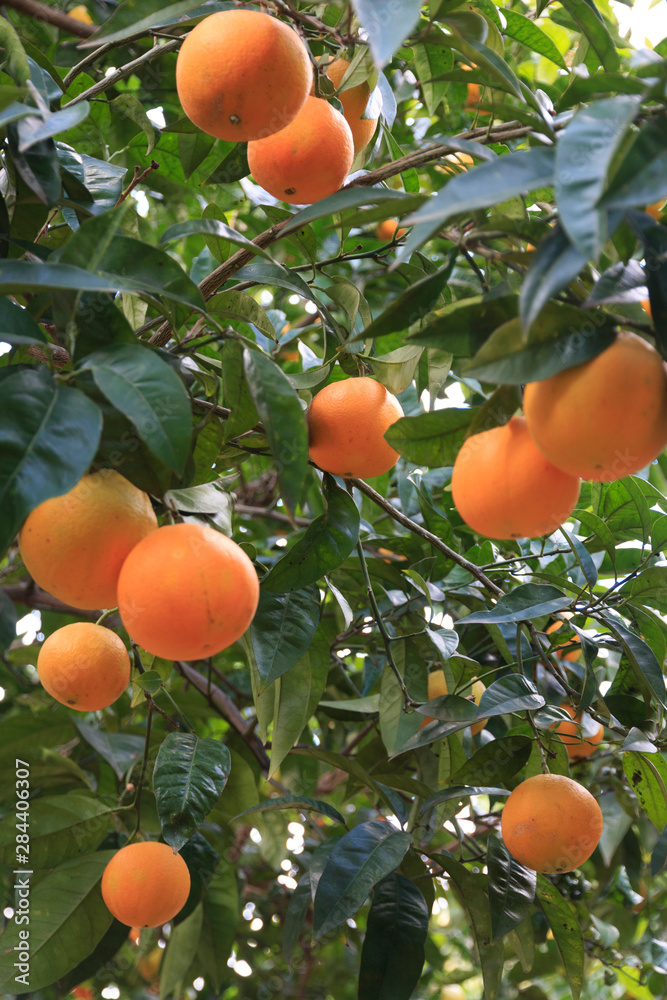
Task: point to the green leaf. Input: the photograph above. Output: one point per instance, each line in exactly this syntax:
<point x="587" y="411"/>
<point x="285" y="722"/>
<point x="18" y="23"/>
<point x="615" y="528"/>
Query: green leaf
<point x="211" y="227"/>
<point x="647" y="776"/>
<point x="130" y="106"/>
<point x="222" y="913"/>
<point x="232" y="167"/>
<point x="342" y="200"/>
<point x="326" y="544"/>
<point x="62" y="827"/>
<point x="125" y="24"/>
<point x="563" y="921"/>
<point x="460" y="792"/>
<point x="565" y="336"/>
<point x="53" y="124"/>
<point x="409" y="177"/>
<point x="148" y="391"/>
<point x="462" y="327"/>
<point x="51" y="434"/>
<point x="497" y="761"/>
<point x="8" y="619"/>
<point x="584" y="153"/>
<point x="282" y="630"/>
<point x="430" y="63"/>
<point x="189" y="777"/>
<point x="432" y="439"/>
<point x="67" y="920"/>
<point x="409" y="307"/>
<point x="386" y="25"/>
<point x="299" y="802"/>
<point x="640" y="656"/>
<point x="38" y="165"/>
<point x="284" y="422"/>
<point x="359" y="860"/>
<point x="649" y="587"/>
<point x="553" y="266"/>
<point x="392" y="956"/>
<point x="529" y="600"/>
<point x="640" y="177"/>
<point x="240" y="305"/>
<point x="119" y="750"/>
<point x="295" y="916"/>
<point x="274" y="274"/>
<point x="591" y="24"/>
<point x="183" y="942"/>
<point x="511" y="888"/>
<point x="523" y="30"/>
<point x="514" y="693"/>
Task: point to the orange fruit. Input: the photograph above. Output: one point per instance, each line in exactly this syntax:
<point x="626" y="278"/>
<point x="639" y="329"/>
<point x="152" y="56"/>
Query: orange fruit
<point x="148" y="965"/>
<point x="605" y="418"/>
<point x="145" y="884"/>
<point x="74" y="545"/>
<point x="452" y="991"/>
<point x="551" y="823"/>
<point x="656" y="209"/>
<point x="646" y="306"/>
<point x="84" y="666"/>
<point x="309" y="159"/>
<point x="186" y="592"/>
<point x="388" y="230"/>
<point x="504" y="488"/>
<point x="347" y="422"/>
<point x="573" y="654"/>
<point x="578" y="742"/>
<point x="242" y="74"/>
<point x="354" y="101"/>
<point x="437" y="685"/>
<point x="80" y="13"/>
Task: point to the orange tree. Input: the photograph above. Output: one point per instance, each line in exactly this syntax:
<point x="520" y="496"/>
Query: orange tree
<point x="162" y="316"/>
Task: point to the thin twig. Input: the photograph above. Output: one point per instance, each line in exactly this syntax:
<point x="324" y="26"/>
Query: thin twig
<point x="40" y="12"/>
<point x="138" y="177"/>
<point x="123" y="71"/>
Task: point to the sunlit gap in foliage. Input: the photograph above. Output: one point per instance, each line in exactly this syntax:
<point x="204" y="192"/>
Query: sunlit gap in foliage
<point x="453" y="397"/>
<point x="30" y="628"/>
<point x="644" y="21"/>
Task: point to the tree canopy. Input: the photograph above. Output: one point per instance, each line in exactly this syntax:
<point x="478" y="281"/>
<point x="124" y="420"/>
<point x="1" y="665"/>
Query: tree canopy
<point x="165" y="317"/>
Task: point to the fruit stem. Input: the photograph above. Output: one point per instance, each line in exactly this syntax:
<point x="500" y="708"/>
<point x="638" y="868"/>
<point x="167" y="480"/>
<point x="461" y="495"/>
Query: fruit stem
<point x="144" y="764"/>
<point x="105" y="614"/>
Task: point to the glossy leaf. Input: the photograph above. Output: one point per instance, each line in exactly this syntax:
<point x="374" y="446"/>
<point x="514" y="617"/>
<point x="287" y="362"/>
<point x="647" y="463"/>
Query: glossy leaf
<point x="328" y="541"/>
<point x="564" y="924"/>
<point x="51" y="434"/>
<point x="282" y="630"/>
<point x="555" y="263"/>
<point x="392" y="956"/>
<point x="295" y="802"/>
<point x="360" y="859"/>
<point x="589" y="21"/>
<point x="211" y="227"/>
<point x="497" y="761"/>
<point x="63" y="826"/>
<point x="527" y="601"/>
<point x="432" y="439"/>
<point x="511" y="888"/>
<point x="514" y="693"/>
<point x="523" y="30"/>
<point x="647" y="776"/>
<point x="459" y="793"/>
<point x="295" y="915"/>
<point x="410" y="306"/>
<point x="189" y="777"/>
<point x="640" y="656"/>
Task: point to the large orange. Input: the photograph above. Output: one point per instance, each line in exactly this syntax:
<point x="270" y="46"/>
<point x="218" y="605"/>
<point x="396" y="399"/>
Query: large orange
<point x="551" y="823"/>
<point x="578" y="742"/>
<point x="347" y="422"/>
<point x="309" y="159"/>
<point x="186" y="592"/>
<point x="354" y="101"/>
<point x="606" y="418"/>
<point x="242" y="75"/>
<point x="84" y="666"/>
<point x="74" y="545"/>
<point x="504" y="488"/>
<point x="145" y="884"/>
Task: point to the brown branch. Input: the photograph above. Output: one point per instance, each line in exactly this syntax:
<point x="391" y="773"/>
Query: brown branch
<point x="138" y="177"/>
<point x="428" y="536"/>
<point x="40" y="12"/>
<point x="32" y="596"/>
<point x="109" y="81"/>
<point x="226" y="707"/>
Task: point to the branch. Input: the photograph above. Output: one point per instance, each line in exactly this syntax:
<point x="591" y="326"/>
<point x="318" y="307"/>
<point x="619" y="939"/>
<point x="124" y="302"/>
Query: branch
<point x="137" y="178"/>
<point x="40" y="12"/>
<point x="109" y="81"/>
<point x="226" y="707"/>
<point x="436" y="542"/>
<point x="32" y="596"/>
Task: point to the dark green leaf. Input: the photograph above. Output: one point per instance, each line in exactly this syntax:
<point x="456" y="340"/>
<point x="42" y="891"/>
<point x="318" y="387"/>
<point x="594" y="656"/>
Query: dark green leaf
<point x="432" y="439"/>
<point x="130" y="106"/>
<point x="53" y="124"/>
<point x="647" y="776"/>
<point x="299" y="802"/>
<point x="640" y="656"/>
<point x="511" y="888"/>
<point x="649" y="587"/>
<point x="497" y="761"/>
<point x="460" y="792"/>
<point x="282" y="630"/>
<point x="360" y="859"/>
<point x="63" y="826"/>
<point x="410" y="307"/>
<point x="211" y="227"/>
<point x="555" y="263"/>
<point x="120" y="750"/>
<point x="189" y="777"/>
<point x="125" y="24"/>
<point x="232" y="167"/>
<point x="326" y="544"/>
<point x="17" y="326"/>
<point x="588" y="19"/>
<point x="8" y="619"/>
<point x="640" y="178"/>
<point x="295" y="915"/>
<point x="145" y="388"/>
<point x="562" y="918"/>
<point x="51" y="434"/>
<point x="514" y="693"/>
<point x="529" y="600"/>
<point x="463" y="326"/>
<point x="392" y="956"/>
<point x="280" y="410"/>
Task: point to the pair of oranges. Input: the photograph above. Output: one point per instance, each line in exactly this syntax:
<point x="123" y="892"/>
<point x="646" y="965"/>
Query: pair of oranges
<point x="244" y="76"/>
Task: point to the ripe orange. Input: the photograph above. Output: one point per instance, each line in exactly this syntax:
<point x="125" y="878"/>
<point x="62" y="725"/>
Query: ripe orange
<point x="309" y="159"/>
<point x="504" y="488"/>
<point x="579" y="743"/>
<point x="656" y="209"/>
<point x="388" y="230"/>
<point x="347" y="422"/>
<point x="551" y="823"/>
<point x="437" y="685"/>
<point x="145" y="884"/>
<point x="84" y="666"/>
<point x="606" y="418"/>
<point x="80" y="13"/>
<point x="646" y="306"/>
<point x="74" y="545"/>
<point x="186" y="592"/>
<point x="354" y="101"/>
<point x="242" y="75"/>
<point x="573" y="654"/>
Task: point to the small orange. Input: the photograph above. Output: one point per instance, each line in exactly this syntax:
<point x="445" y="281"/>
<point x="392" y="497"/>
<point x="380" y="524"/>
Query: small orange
<point x="551" y="823"/>
<point x="186" y="592"/>
<point x="80" y="13"/>
<point x="656" y="209"/>
<point x="145" y="884"/>
<point x="242" y="74"/>
<point x="504" y="488"/>
<point x="388" y="230"/>
<point x="84" y="666"/>
<point x="74" y="545"/>
<point x="579" y="743"/>
<point x="309" y="159"/>
<point x="347" y="422"/>
<point x="605" y="418"/>
<point x="354" y="101"/>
